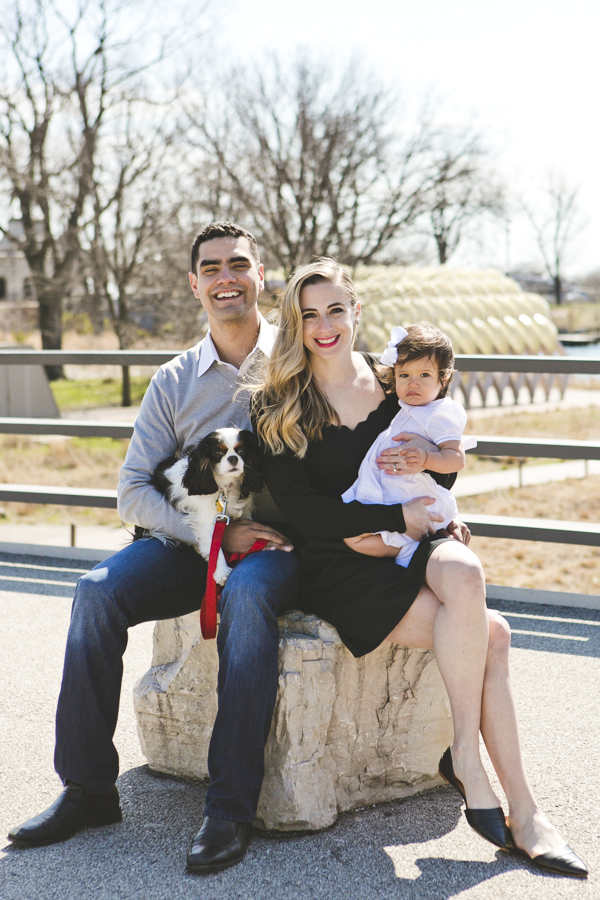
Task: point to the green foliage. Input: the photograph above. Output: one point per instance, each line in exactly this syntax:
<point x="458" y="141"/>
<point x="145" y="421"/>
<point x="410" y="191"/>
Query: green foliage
<point x="88" y="393"/>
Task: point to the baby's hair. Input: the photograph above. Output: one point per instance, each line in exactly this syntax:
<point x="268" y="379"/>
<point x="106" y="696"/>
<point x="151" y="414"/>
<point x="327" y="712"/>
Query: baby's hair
<point x="425" y="340"/>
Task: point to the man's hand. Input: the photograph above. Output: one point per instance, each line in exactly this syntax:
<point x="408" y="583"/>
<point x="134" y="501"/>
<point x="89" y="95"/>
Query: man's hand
<point x="418" y="519"/>
<point x="241" y="534"/>
<point x="410" y="456"/>
<point x="459" y="531"/>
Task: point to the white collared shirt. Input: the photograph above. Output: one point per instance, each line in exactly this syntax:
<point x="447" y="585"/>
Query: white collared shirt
<point x="209" y="355"/>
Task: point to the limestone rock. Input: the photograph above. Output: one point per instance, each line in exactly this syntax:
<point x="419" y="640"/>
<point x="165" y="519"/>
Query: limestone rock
<point x="346" y="732"/>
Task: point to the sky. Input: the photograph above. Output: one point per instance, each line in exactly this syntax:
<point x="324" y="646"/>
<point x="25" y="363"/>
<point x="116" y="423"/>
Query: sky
<point x="526" y="72"/>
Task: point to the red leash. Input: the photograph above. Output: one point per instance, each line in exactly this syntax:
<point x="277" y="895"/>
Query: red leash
<point x="208" y="609"/>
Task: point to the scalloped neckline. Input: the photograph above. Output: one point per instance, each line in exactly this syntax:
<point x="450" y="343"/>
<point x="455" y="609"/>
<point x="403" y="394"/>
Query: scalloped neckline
<point x="363" y="421"/>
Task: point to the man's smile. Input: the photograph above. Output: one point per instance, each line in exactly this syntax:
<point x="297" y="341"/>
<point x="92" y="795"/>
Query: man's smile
<point x="225" y="295"/>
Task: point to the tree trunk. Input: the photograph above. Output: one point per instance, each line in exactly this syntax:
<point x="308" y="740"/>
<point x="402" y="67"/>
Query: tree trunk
<point x="558" y="289"/>
<point x="442" y="248"/>
<point x="50" y="319"/>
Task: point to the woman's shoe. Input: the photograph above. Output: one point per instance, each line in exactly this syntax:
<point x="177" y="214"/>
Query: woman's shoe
<point x="563" y="861"/>
<point x="488" y="823"/>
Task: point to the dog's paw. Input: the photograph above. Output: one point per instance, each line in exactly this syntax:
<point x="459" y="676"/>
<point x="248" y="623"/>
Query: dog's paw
<point x="222" y="572"/>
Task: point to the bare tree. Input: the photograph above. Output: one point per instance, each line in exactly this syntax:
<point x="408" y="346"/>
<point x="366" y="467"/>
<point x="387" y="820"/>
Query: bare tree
<point x="131" y="208"/>
<point x="463" y="188"/>
<point x="37" y="166"/>
<point x="65" y="74"/>
<point x="556" y="222"/>
<point x="313" y="160"/>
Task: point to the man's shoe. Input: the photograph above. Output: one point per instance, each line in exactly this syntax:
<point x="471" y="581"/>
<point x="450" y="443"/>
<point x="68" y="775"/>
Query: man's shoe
<point x="76" y="808"/>
<point x="219" y="843"/>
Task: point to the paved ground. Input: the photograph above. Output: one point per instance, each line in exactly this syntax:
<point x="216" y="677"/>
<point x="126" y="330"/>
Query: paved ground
<point x="417" y="848"/>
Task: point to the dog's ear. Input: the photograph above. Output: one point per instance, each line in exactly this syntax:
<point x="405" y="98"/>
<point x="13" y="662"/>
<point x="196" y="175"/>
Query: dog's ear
<point x="199" y="478"/>
<point x="159" y="480"/>
<point x="253" y="481"/>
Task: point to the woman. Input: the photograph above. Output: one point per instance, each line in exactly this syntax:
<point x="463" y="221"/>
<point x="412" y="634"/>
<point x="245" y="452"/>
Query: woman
<point x="317" y="410"/>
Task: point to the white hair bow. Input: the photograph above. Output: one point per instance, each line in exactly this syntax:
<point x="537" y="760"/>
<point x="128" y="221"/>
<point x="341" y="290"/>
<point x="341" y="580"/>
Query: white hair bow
<point x="390" y="354"/>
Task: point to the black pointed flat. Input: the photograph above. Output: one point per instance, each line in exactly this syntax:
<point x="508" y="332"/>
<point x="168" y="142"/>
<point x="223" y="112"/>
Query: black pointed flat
<point x="563" y="861"/>
<point x="490" y="824"/>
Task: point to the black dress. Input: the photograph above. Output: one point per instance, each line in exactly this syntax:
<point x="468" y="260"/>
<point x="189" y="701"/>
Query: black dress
<point x="364" y="597"/>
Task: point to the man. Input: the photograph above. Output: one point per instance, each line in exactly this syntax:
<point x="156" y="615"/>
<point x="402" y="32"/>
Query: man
<point x="150" y="579"/>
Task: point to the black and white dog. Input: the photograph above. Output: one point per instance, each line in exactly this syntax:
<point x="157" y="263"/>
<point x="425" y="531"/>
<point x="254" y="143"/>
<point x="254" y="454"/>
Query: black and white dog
<point x="225" y="464"/>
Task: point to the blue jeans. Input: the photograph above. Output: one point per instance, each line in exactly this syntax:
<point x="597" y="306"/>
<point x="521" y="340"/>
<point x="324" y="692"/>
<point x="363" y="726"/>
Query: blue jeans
<point x="146" y="581"/>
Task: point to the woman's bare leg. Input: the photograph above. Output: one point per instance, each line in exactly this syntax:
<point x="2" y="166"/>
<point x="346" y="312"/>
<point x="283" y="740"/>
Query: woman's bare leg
<point x="531" y="829"/>
<point x="460" y="642"/>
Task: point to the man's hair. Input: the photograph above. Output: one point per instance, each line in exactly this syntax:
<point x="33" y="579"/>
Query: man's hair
<point x="219" y="230"/>
<point x="426" y="341"/>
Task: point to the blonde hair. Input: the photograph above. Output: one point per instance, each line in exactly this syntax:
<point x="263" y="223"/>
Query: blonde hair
<point x="289" y="409"/>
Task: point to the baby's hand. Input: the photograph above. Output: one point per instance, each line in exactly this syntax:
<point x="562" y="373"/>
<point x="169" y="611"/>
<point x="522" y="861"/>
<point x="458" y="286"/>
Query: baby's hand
<point x="414" y="458"/>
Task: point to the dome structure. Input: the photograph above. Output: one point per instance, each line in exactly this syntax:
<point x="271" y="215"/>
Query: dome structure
<point x="482" y="311"/>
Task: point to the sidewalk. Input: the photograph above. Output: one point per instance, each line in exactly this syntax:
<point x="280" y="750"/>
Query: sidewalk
<point x="420" y="848"/>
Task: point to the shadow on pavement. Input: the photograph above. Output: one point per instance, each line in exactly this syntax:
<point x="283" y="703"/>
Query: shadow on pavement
<point x="40" y="576"/>
<point x="553" y="629"/>
<point x="143" y="858"/>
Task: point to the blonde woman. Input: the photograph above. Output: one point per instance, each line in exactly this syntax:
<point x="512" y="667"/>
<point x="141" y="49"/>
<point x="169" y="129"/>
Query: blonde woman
<point x="318" y="409"/>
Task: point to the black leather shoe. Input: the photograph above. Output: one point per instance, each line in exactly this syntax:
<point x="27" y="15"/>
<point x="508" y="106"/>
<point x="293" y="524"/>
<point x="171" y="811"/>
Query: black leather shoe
<point x="219" y="843"/>
<point x="563" y="861"/>
<point x="74" y="809"/>
<point x="488" y="823"/>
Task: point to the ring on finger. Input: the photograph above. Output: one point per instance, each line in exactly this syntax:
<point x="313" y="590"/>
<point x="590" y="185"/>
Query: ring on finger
<point x="395" y="467"/>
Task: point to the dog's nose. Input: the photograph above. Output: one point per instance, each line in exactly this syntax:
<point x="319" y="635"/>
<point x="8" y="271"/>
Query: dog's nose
<point x="232" y="460"/>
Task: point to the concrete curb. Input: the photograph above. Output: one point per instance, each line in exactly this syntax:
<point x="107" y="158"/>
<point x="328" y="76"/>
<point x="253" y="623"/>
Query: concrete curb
<point x="83" y="553"/>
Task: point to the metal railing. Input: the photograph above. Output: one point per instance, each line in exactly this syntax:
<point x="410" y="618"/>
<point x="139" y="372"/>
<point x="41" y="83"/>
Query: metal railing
<point x="489" y="526"/>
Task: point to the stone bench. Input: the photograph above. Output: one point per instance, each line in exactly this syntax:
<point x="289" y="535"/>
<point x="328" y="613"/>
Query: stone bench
<point x="346" y="732"/>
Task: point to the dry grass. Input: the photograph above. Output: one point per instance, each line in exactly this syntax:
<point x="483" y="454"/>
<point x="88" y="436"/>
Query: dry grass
<point x="69" y="462"/>
<point x="537" y="564"/>
<point x="95" y="462"/>
<point x="567" y="424"/>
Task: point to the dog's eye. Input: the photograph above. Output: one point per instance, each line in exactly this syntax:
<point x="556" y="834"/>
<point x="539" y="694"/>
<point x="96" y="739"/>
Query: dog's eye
<point x="240" y="450"/>
<point x="220" y="452"/>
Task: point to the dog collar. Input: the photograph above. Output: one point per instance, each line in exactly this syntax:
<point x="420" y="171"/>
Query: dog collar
<point x="221" y="505"/>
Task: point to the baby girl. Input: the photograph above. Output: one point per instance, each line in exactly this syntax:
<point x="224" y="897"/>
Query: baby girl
<point x="423" y="362"/>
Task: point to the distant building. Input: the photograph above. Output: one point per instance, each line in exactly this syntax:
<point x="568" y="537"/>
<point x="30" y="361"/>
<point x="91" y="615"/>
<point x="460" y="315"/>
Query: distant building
<point x="15" y="277"/>
<point x="536" y="284"/>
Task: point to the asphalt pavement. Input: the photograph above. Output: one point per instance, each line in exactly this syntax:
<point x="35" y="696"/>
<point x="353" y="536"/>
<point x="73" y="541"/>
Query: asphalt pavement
<point x="420" y="847"/>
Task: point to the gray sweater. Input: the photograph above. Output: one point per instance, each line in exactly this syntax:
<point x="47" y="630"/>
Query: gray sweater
<point x="179" y="409"/>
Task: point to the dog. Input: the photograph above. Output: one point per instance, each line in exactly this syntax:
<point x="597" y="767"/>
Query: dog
<point x="224" y="466"/>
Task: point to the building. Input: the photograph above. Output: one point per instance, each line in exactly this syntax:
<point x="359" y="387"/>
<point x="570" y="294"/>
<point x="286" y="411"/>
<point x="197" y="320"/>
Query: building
<point x="15" y="279"/>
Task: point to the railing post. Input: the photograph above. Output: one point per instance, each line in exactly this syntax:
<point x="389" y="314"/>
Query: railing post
<point x="126" y="392"/>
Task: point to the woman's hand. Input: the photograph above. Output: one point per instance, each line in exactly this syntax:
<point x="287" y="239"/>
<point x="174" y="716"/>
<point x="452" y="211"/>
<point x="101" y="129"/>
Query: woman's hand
<point x="419" y="521"/>
<point x="410" y="456"/>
